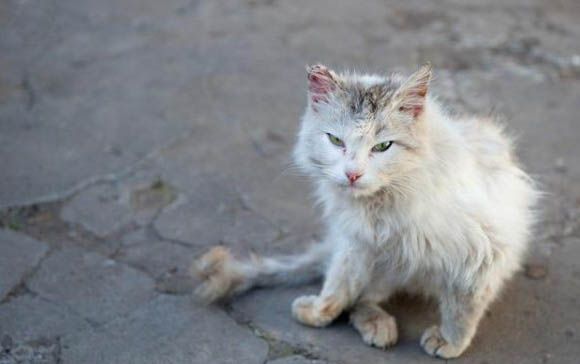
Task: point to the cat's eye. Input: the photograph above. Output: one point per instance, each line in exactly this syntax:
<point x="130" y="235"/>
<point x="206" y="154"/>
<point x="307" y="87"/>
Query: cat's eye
<point x="381" y="147"/>
<point x="335" y="140"/>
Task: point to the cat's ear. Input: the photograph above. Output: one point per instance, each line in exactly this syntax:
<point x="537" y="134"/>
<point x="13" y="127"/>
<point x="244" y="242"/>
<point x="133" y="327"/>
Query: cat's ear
<point x="412" y="93"/>
<point x="321" y="82"/>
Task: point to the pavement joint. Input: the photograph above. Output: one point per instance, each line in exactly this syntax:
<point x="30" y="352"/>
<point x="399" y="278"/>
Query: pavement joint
<point x="277" y="348"/>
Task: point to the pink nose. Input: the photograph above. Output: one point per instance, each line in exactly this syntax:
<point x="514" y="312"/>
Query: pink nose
<point x="353" y="175"/>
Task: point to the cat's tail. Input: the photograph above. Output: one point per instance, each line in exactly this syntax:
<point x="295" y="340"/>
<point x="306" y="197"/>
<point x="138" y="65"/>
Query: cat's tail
<point x="222" y="275"/>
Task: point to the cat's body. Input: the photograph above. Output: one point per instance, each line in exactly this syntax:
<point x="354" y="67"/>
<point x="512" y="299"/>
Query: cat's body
<point x="413" y="200"/>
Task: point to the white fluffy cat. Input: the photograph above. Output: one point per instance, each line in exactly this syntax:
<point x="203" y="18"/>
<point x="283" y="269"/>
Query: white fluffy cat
<point x="413" y="199"/>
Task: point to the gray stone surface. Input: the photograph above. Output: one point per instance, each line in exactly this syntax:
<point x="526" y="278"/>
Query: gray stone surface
<point x="533" y="322"/>
<point x="296" y="359"/>
<point x="166" y="330"/>
<point x="216" y="213"/>
<point x="19" y="255"/>
<point x="269" y="310"/>
<point x="99" y="209"/>
<point x="157" y="257"/>
<point x="77" y="92"/>
<point x="90" y="284"/>
<point x="163" y="128"/>
<point x="106" y="208"/>
<point x="40" y="352"/>
<point x="28" y="318"/>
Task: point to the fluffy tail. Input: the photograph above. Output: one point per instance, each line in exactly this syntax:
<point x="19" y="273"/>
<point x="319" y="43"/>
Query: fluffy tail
<point x="223" y="276"/>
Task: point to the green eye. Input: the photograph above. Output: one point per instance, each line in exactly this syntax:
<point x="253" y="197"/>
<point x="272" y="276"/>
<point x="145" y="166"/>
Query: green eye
<point x="334" y="140"/>
<point x="381" y="147"/>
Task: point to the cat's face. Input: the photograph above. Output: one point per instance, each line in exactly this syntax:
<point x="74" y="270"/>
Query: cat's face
<point x="361" y="134"/>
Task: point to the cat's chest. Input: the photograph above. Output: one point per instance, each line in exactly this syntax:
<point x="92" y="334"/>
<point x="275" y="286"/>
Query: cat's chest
<point x="369" y="226"/>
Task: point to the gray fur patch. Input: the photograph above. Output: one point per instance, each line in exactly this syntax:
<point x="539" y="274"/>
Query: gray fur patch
<point x="369" y="100"/>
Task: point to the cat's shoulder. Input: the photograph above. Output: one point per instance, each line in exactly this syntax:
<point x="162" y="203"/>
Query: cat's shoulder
<point x="487" y="138"/>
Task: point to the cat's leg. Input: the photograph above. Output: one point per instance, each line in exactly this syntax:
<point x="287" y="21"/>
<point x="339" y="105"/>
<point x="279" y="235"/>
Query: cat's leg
<point x="345" y="279"/>
<point x="460" y="315"/>
<point x="376" y="326"/>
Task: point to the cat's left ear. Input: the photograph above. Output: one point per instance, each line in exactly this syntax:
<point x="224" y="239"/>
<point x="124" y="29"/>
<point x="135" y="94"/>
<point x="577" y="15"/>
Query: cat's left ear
<point x="412" y="93"/>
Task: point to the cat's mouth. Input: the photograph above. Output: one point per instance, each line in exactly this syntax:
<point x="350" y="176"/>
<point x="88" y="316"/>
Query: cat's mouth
<point x="355" y="187"/>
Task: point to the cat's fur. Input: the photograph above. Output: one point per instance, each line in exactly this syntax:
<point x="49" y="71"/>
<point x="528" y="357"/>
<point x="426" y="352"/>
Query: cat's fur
<point x="445" y="211"/>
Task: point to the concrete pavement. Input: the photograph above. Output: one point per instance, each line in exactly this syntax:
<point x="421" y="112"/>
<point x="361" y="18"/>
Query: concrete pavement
<point x="136" y="134"/>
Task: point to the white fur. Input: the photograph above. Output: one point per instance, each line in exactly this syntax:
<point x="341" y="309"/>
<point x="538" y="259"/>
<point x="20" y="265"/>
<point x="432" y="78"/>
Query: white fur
<point x="446" y="212"/>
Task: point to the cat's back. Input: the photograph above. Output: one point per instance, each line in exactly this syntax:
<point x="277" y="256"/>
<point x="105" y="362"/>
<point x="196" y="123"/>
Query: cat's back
<point x="487" y="141"/>
<point x="506" y="195"/>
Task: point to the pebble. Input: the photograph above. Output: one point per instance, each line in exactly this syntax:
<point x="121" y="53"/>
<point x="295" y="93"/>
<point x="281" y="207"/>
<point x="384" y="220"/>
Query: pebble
<point x="536" y="271"/>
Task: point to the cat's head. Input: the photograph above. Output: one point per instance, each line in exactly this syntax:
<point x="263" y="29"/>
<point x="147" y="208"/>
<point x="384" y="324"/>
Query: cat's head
<point x="363" y="133"/>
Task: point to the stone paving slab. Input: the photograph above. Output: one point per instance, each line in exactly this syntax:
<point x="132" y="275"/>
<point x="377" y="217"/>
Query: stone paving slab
<point x="106" y="208"/>
<point x="19" y="255"/>
<point x="534" y="321"/>
<point x="157" y="257"/>
<point x="296" y="359"/>
<point x="269" y="310"/>
<point x="216" y="213"/>
<point x="30" y="318"/>
<point x="98" y="209"/>
<point x="92" y="285"/>
<point x="173" y="123"/>
<point x="167" y="330"/>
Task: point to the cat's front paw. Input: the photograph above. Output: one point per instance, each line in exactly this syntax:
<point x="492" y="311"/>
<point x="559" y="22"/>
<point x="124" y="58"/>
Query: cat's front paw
<point x="313" y="311"/>
<point x="377" y="328"/>
<point x="436" y="345"/>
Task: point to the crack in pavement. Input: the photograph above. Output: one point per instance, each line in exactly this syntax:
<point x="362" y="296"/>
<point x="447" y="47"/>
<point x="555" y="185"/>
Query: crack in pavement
<point x="108" y="177"/>
<point x="277" y="348"/>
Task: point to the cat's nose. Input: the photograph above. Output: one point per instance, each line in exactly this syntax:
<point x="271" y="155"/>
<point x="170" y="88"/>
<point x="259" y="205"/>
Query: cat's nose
<point x="353" y="175"/>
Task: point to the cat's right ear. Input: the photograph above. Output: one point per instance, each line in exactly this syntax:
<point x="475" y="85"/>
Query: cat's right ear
<point x="321" y="82"/>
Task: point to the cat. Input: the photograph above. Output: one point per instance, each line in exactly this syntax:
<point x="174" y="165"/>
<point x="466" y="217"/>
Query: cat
<point x="413" y="198"/>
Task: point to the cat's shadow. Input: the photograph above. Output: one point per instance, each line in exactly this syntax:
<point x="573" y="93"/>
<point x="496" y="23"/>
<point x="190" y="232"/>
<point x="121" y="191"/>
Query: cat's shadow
<point x="269" y="309"/>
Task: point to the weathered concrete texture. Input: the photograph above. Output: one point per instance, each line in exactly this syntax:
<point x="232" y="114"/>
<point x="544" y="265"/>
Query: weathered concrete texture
<point x="106" y="208"/>
<point x="296" y="359"/>
<point x="167" y="330"/>
<point x="269" y="310"/>
<point x="19" y="255"/>
<point x="156" y="257"/>
<point x="99" y="209"/>
<point x="76" y="91"/>
<point x="534" y="321"/>
<point x="29" y="318"/>
<point x="40" y="352"/>
<point x="205" y="220"/>
<point x="173" y="122"/>
<point x="90" y="284"/>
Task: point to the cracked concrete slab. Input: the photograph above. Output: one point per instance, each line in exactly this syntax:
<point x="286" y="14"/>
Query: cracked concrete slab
<point x="269" y="310"/>
<point x="157" y="257"/>
<point x="99" y="209"/>
<point x="535" y="320"/>
<point x="169" y="330"/>
<point x="297" y="359"/>
<point x="28" y="318"/>
<point x="102" y="99"/>
<point x="94" y="286"/>
<point x="19" y="255"/>
<point x="215" y="213"/>
<point x="106" y="208"/>
<point x="43" y="351"/>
